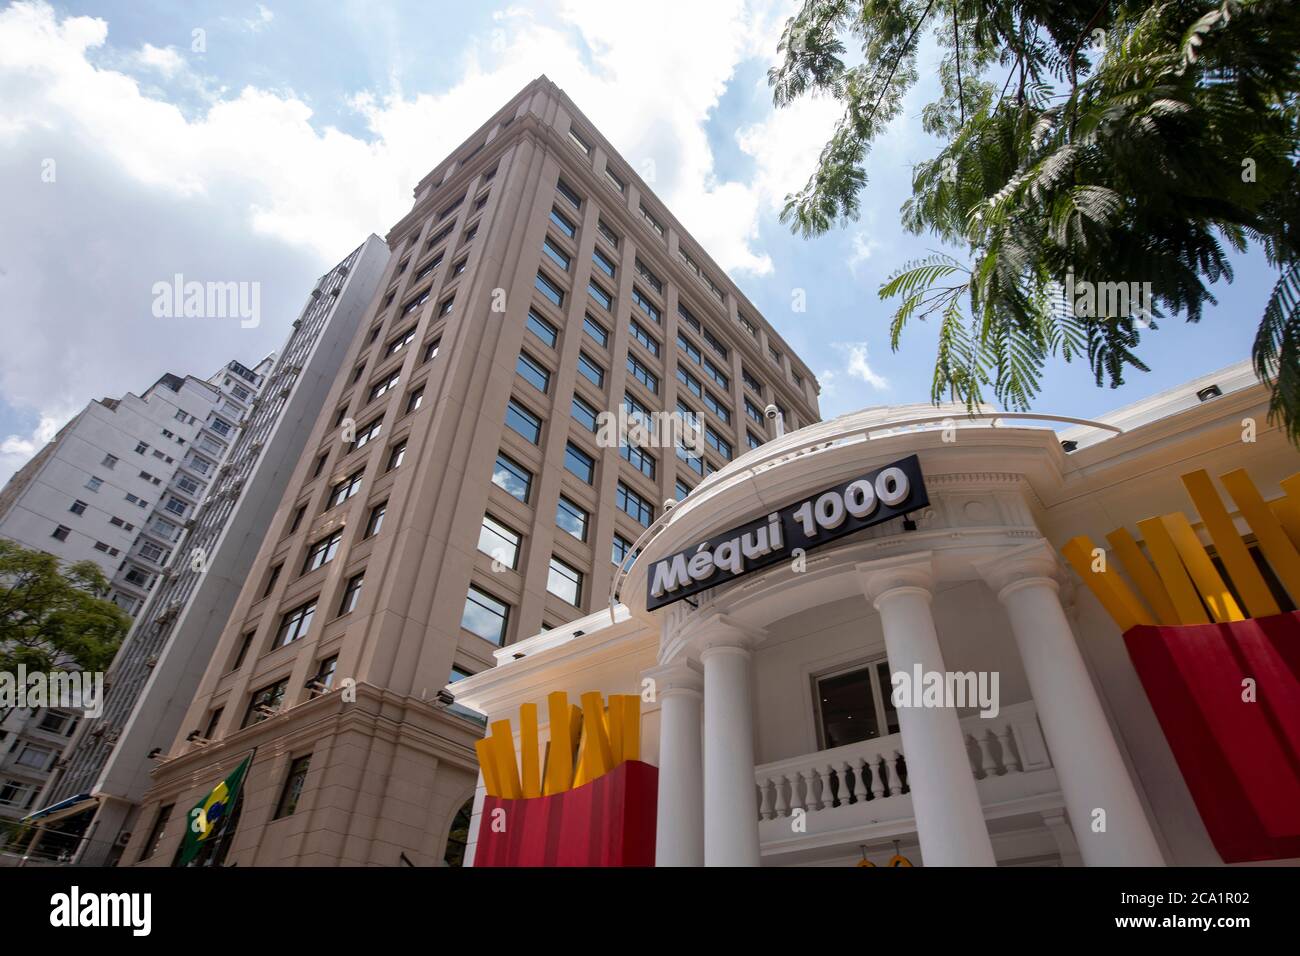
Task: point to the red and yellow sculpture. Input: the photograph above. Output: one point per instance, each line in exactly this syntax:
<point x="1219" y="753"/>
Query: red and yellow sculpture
<point x="586" y="799"/>
<point x="1219" y="658"/>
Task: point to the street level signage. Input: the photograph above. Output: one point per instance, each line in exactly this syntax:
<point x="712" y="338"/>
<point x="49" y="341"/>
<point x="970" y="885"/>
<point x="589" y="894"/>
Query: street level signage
<point x="810" y="523"/>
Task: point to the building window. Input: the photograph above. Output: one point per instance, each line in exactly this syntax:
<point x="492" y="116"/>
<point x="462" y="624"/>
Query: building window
<point x="244" y="644"/>
<point x="584" y="413"/>
<point x="579" y="463"/>
<point x="293" y="784"/>
<point x="459" y="674"/>
<point x="512" y="478"/>
<point x="643" y="375"/>
<point x="722" y="446"/>
<point x="681" y="489"/>
<point x="715" y="405"/>
<point x="549" y="289"/>
<point x="753" y="384"/>
<point x="368" y="434"/>
<point x="541" y="328"/>
<point x="609" y="234"/>
<point x="523" y="422"/>
<point x="156" y="832"/>
<point x="351" y="592"/>
<point x="589" y="370"/>
<point x="431" y="350"/>
<point x="651" y="221"/>
<point x="649" y="277"/>
<point x="622" y="553"/>
<point x="295" y="624"/>
<point x="603" y="262"/>
<point x="110" y="461"/>
<point x="562" y="223"/>
<point x="601" y="296"/>
<point x="61" y="532"/>
<point x="595" y="330"/>
<point x="322" y="552"/>
<point x="565" y="190"/>
<point x="753" y="411"/>
<point x="633" y="505"/>
<point x="271" y="579"/>
<point x="854" y="705"/>
<point x="446" y="306"/>
<point x="325" y="674"/>
<point x="382" y="386"/>
<point x="558" y="255"/>
<point x="754" y="441"/>
<point x="35" y="757"/>
<point x="579" y="142"/>
<point x="499" y="542"/>
<point x="645" y="338"/>
<point x="376" y="519"/>
<point x="640" y="459"/>
<point x="342" y="491"/>
<point x="532" y="372"/>
<point x="265" y="703"/>
<point x="564" y="582"/>
<point x="571" y="518"/>
<point x="93" y="483"/>
<point x="210" y="731"/>
<point x="414" y="400"/>
<point x="396" y="456"/>
<point x="485" y="616"/>
<point x="615" y="181"/>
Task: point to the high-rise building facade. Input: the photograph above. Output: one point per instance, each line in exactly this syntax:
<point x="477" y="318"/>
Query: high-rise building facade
<point x="117" y="482"/>
<point x="157" y="670"/>
<point x="456" y="495"/>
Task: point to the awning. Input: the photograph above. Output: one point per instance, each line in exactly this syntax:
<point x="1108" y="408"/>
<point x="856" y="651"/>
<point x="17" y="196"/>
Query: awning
<point x="64" y="808"/>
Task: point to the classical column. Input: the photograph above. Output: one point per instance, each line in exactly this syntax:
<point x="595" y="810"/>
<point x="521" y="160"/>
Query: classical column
<point x="1094" y="780"/>
<point x="949" y="818"/>
<point x="730" y="792"/>
<point x="679" y="832"/>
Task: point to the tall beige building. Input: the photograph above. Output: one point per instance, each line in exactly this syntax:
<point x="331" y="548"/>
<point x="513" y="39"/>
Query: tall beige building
<point x="455" y="496"/>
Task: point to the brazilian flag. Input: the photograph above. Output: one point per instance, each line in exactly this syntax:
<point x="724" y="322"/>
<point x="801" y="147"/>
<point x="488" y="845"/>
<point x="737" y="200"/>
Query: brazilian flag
<point x="206" y="821"/>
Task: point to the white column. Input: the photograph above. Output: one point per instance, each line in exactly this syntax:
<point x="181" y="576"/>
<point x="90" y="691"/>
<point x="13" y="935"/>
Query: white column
<point x="730" y="792"/>
<point x="949" y="818"/>
<point x="679" y="830"/>
<point x="1087" y="759"/>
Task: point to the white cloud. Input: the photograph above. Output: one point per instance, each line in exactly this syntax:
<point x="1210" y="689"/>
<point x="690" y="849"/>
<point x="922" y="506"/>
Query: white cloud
<point x="163" y="59"/>
<point x="260" y="20"/>
<point x="857" y="366"/>
<point x="863" y="248"/>
<point x="17" y="450"/>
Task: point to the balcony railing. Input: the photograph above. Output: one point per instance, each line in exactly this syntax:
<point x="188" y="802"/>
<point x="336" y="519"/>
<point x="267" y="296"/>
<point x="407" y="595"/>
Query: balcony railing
<point x="875" y="771"/>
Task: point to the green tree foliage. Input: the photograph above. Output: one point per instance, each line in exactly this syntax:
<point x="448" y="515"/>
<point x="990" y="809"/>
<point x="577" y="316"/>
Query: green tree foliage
<point x="1083" y="142"/>
<point x="55" y="618"/>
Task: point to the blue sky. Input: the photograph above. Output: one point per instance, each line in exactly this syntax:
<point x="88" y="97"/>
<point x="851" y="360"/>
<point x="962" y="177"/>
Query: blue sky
<point x="268" y="150"/>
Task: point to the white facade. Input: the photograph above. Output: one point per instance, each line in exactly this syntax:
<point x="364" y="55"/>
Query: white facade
<point x="756" y="682"/>
<point x="31" y="739"/>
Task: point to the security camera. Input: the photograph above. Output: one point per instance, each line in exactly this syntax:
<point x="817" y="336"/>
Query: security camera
<point x="670" y="503"/>
<point x="772" y="412"/>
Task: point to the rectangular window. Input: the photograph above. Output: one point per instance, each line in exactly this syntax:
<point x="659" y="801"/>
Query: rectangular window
<point x="295" y="624"/>
<point x="753" y="384"/>
<point x="691" y="350"/>
<point x="607" y="233"/>
<point x="431" y="350"/>
<point x="210" y="732"/>
<point x="579" y="463"/>
<point x="645" y="305"/>
<point x="565" y="582"/>
<point x="622" y="553"/>
<point x="396" y="456"/>
<point x="93" y="483"/>
<point x="293" y="785"/>
<point x="651" y="221"/>
<point x="753" y="411"/>
<point x="414" y="400"/>
<point x="244" y="644"/>
<point x="562" y="223"/>
<point x="512" y="478"/>
<point x="603" y="262"/>
<point x="565" y="190"/>
<point x="549" y="289"/>
<point x="322" y="552"/>
<point x="523" y="422"/>
<point x="754" y="442"/>
<point x="579" y="142"/>
<point x="644" y="272"/>
<point x="645" y="338"/>
<point x="640" y="459"/>
<point x="156" y="832"/>
<point x="351" y="593"/>
<point x="615" y="181"/>
<point x="344" y="490"/>
<point x="854" y="705"/>
<point x="447" y="211"/>
<point x="595" y="330"/>
<point x="571" y="518"/>
<point x="717" y="374"/>
<point x="265" y="702"/>
<point x="642" y="374"/>
<point x="632" y="504"/>
<point x="383" y="386"/>
<point x="712" y="342"/>
<point x="690" y="381"/>
<point x="716" y="406"/>
<point x="459" y="674"/>
<point x="558" y="255"/>
<point x="271" y="578"/>
<point x="368" y="434"/>
<point x="722" y="446"/>
<point x="376" y="519"/>
<point x="600" y="295"/>
<point x="687" y="317"/>
<point x="682" y="489"/>
<point x="485" y="616"/>
<point x="61" y="533"/>
<point x="541" y="328"/>
<point x="584" y="413"/>
<point x="110" y="461"/>
<point x="446" y="306"/>
<point x="532" y="372"/>
<point x="589" y="370"/>
<point x="498" y="542"/>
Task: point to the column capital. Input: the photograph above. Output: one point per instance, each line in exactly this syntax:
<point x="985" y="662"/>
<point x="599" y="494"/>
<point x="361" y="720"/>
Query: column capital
<point x="714" y="629"/>
<point x="1013" y="568"/>
<point x="906" y="572"/>
<point x="683" y="676"/>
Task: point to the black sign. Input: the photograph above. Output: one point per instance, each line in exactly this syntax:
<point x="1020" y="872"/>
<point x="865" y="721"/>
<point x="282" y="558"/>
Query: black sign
<point x="807" y="524"/>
